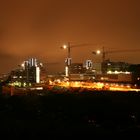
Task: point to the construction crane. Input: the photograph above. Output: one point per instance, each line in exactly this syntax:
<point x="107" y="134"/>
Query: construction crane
<point x="68" y="46"/>
<point x="50" y="63"/>
<point x="104" y="53"/>
<point x="45" y="65"/>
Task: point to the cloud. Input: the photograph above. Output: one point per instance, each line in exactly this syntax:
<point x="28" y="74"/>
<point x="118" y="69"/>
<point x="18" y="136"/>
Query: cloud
<point x="31" y="28"/>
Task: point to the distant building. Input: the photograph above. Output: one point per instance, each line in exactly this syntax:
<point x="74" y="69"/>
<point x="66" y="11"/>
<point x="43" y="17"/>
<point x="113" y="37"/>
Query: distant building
<point x="135" y="69"/>
<point x="115" y="66"/>
<point x="97" y="68"/>
<point x="31" y="71"/>
<point x="119" y="77"/>
<point x="82" y="72"/>
<point x="77" y="68"/>
<point x="114" y="72"/>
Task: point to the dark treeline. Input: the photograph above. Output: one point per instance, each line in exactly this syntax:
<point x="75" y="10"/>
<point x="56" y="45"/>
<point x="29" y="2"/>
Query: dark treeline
<point x="89" y="113"/>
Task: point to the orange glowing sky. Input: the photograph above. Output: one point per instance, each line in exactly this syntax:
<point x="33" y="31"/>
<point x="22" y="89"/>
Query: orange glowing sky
<point x="39" y="28"/>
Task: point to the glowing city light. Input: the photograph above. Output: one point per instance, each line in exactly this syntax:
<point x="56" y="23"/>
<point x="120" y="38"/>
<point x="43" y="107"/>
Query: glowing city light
<point x="98" y="52"/>
<point x="64" y="46"/>
<point x="37" y="75"/>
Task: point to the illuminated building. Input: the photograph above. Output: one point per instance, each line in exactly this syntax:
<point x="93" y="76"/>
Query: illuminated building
<point x="37" y="75"/>
<point x="115" y="66"/>
<point x="82" y="72"/>
<point x="89" y="64"/>
<point x="31" y="71"/>
<point x="115" y="72"/>
<point x="119" y="77"/>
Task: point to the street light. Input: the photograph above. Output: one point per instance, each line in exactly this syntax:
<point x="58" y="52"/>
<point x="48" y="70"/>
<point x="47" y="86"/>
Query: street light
<point x="98" y="52"/>
<point x="64" y="47"/>
<point x="68" y="47"/>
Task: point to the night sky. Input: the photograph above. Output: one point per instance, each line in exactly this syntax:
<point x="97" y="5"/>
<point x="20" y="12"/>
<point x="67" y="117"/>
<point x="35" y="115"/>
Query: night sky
<point x="32" y="28"/>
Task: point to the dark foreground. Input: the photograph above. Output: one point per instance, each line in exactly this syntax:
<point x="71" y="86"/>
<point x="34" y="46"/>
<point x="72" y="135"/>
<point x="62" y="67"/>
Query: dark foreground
<point x="88" y="114"/>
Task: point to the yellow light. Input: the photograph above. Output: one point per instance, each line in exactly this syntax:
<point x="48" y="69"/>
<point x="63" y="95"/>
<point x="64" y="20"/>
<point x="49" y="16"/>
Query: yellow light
<point x="22" y="65"/>
<point x="98" y="51"/>
<point x="116" y="72"/>
<point x="64" y="46"/>
<point x="109" y="72"/>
